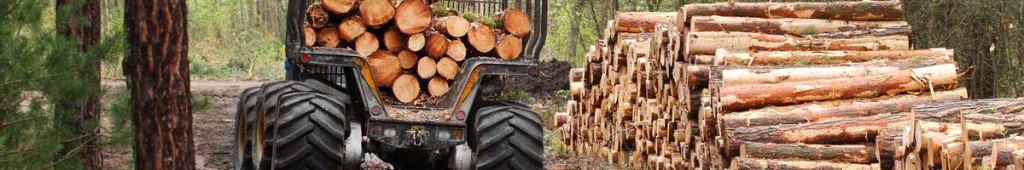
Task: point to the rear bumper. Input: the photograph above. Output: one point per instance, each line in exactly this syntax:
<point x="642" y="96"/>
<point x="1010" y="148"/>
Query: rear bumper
<point x="416" y="135"/>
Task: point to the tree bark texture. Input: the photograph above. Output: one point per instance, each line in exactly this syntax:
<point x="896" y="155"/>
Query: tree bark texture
<point x="742" y="163"/>
<point x="834" y="153"/>
<point x="770" y="58"/>
<point x="711" y="42"/>
<point x="785" y="26"/>
<point x="834" y="110"/>
<point x="854" y="11"/>
<point x="88" y="35"/>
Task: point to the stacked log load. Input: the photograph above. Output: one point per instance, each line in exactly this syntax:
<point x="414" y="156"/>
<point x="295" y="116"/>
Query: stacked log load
<point x="414" y="49"/>
<point x="780" y="86"/>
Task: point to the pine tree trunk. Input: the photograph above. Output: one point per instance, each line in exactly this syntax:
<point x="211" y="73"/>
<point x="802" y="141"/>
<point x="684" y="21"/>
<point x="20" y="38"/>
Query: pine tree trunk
<point x="852" y="130"/>
<point x="855" y="11"/>
<point x="88" y="35"/>
<point x="710" y="42"/>
<point x="741" y="163"/>
<point x="157" y="68"/>
<point x="835" y="110"/>
<point x="796" y="58"/>
<point x="785" y="26"/>
<point x="835" y="153"/>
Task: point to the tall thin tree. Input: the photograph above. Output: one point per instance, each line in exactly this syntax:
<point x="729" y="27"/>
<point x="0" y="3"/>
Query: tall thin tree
<point x="79" y="20"/>
<point x="157" y="68"/>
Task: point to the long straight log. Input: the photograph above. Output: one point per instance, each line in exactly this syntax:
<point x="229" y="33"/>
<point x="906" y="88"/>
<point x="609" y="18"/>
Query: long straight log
<point x="854" y="11"/>
<point x="862" y="154"/>
<point x="1003" y="111"/>
<point x="763" y="75"/>
<point x="755" y="96"/>
<point x="834" y="110"/>
<point x="785" y="26"/>
<point x="640" y="22"/>
<point x="863" y="129"/>
<point x="741" y="163"/>
<point x="710" y="42"/>
<point x="954" y="151"/>
<point x="817" y="57"/>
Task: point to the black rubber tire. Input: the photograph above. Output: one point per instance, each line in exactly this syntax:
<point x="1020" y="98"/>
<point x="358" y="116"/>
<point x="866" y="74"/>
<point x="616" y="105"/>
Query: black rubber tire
<point x="267" y="99"/>
<point x="310" y="132"/>
<point x="246" y="106"/>
<point x="507" y="136"/>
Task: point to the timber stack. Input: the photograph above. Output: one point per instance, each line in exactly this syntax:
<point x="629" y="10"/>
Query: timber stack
<point x="781" y="86"/>
<point x="414" y="49"/>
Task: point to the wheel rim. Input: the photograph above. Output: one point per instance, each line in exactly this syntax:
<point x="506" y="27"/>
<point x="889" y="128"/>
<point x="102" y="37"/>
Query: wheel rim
<point x="257" y="155"/>
<point x="240" y="144"/>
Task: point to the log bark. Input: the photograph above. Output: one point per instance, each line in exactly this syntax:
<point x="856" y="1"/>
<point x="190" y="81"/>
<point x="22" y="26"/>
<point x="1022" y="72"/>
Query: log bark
<point x="157" y="63"/>
<point x="456" y="50"/>
<point x="437" y="86"/>
<point x="954" y="151"/>
<point x="514" y="21"/>
<point x="764" y="75"/>
<point x="366" y="44"/>
<point x="641" y="22"/>
<point x="1001" y="111"/>
<point x="352" y="27"/>
<point x="741" y="163"/>
<point x="768" y="58"/>
<point x="785" y="26"/>
<point x="309" y="34"/>
<point x="328" y="37"/>
<point x="861" y="154"/>
<point x="853" y="11"/>
<point x="437" y="45"/>
<point x="863" y="129"/>
<point x="481" y="37"/>
<point x="376" y="12"/>
<point x="87" y="110"/>
<point x="385" y="71"/>
<point x="339" y="7"/>
<point x="426" y="68"/>
<point x="317" y="17"/>
<point x="408" y="59"/>
<point x="412" y="17"/>
<point x="509" y="47"/>
<point x="416" y="42"/>
<point x="876" y="32"/>
<point x="710" y="42"/>
<point x="447" y="68"/>
<point x="755" y="96"/>
<point x="835" y="110"/>
<point x="452" y="26"/>
<point x="406" y="88"/>
<point x="394" y="39"/>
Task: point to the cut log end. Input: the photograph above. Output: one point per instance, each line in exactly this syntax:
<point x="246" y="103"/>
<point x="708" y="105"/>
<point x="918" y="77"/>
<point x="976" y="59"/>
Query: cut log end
<point x="339" y="7"/>
<point x="437" y="45"/>
<point x="416" y="42"/>
<point x="426" y="67"/>
<point x="447" y="68"/>
<point x="408" y="59"/>
<point x="385" y="71"/>
<point x="318" y="18"/>
<point x="437" y="86"/>
<point x="456" y="50"/>
<point x="376" y="12"/>
<point x="366" y="44"/>
<point x="394" y="40"/>
<point x="310" y="35"/>
<point x="328" y="37"/>
<point x="509" y="47"/>
<point x="412" y="16"/>
<point x="351" y="27"/>
<point x="481" y="37"/>
<point x="406" y="88"/>
<point x="453" y="26"/>
<point x="516" y="22"/>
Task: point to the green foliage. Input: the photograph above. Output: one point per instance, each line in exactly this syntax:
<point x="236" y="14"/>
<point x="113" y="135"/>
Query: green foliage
<point x="519" y="96"/>
<point x="562" y="94"/>
<point x="201" y="102"/>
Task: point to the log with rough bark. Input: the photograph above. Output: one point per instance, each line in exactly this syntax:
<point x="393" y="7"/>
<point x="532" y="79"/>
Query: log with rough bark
<point x="447" y="68"/>
<point x="854" y="11"/>
<point x="416" y="42"/>
<point x="394" y="40"/>
<point x="437" y="45"/>
<point x="452" y="26"/>
<point x="853" y="130"/>
<point x="406" y="88"/>
<point x="408" y="59"/>
<point x="710" y="42"/>
<point x="426" y="68"/>
<point x="816" y="57"/>
<point x="376" y="12"/>
<point x="765" y="75"/>
<point x="339" y="7"/>
<point x="412" y="16"/>
<point x="1002" y="111"/>
<point x="835" y="153"/>
<point x="785" y="26"/>
<point x="835" y="110"/>
<point x="352" y="27"/>
<point x="328" y="37"/>
<point x="514" y="21"/>
<point x="481" y="37"/>
<point x="309" y="34"/>
<point x="742" y="163"/>
<point x="876" y="32"/>
<point x="317" y="17"/>
<point x="385" y="71"/>
<point x="755" y="96"/>
<point x="366" y="44"/>
<point x="509" y="47"/>
<point x="639" y="22"/>
<point x="437" y="86"/>
<point x="954" y="152"/>
<point x="456" y="50"/>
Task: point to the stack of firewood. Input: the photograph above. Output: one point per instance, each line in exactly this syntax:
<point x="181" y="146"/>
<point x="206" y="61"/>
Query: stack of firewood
<point x="409" y="42"/>
<point x="780" y="86"/>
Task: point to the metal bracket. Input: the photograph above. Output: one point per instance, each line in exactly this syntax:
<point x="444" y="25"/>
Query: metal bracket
<point x="354" y="145"/>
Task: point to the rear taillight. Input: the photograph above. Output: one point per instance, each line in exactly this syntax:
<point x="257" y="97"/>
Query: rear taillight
<point x="305" y="58"/>
<point x="532" y="71"/>
<point x="461" y="115"/>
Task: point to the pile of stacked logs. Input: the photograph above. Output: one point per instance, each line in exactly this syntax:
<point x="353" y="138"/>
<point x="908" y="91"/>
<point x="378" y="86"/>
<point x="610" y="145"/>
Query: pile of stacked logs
<point x="409" y="44"/>
<point x="781" y="86"/>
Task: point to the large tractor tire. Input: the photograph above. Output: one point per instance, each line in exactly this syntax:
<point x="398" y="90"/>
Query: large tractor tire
<point x="267" y="112"/>
<point x="242" y="154"/>
<point x="507" y="136"/>
<point x="309" y="132"/>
